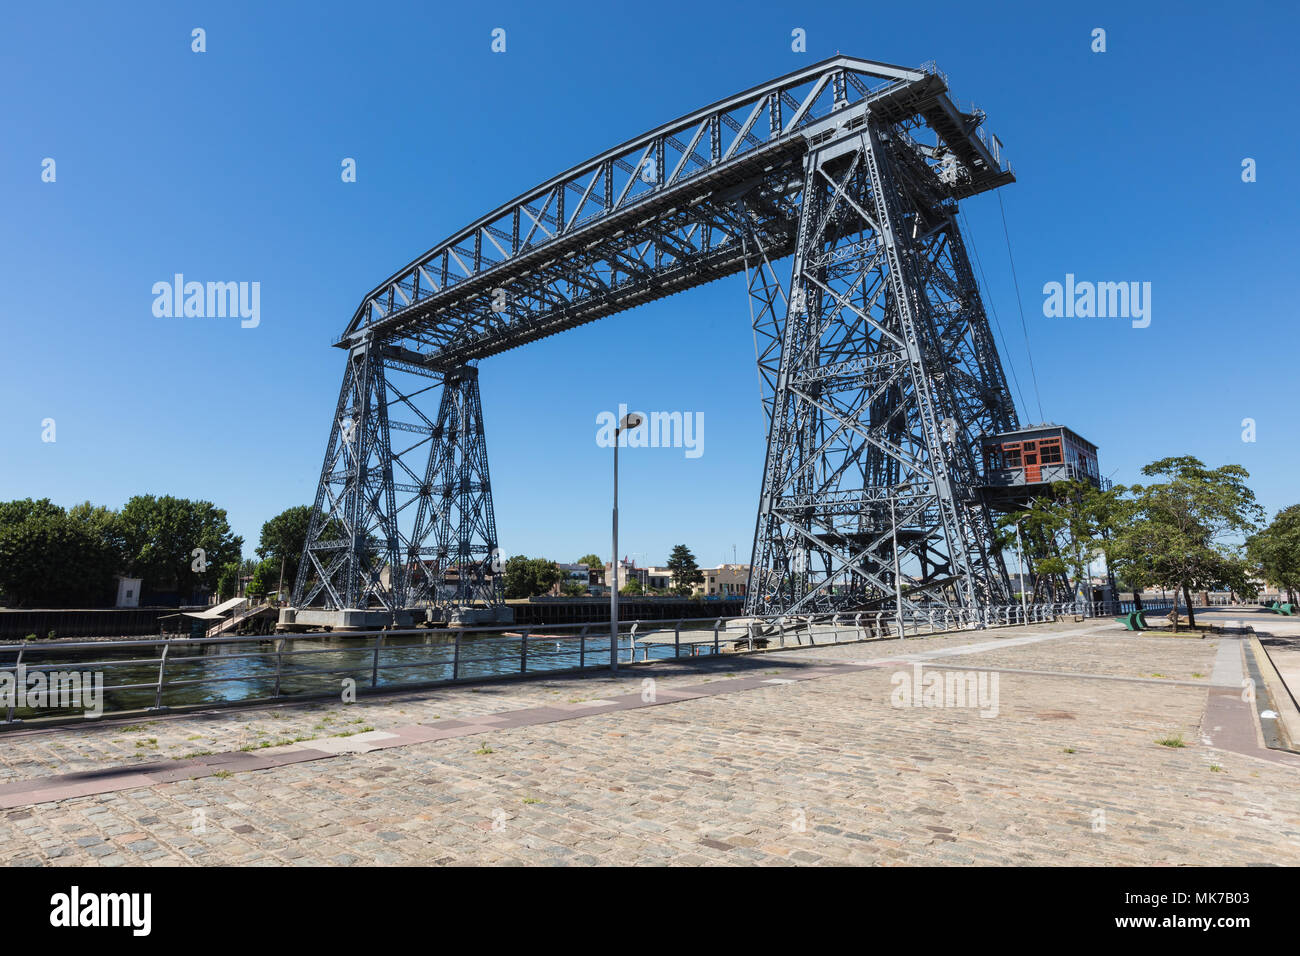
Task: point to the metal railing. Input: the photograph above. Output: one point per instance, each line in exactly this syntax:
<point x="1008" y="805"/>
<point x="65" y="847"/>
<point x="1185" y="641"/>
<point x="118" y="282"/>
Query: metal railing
<point x="168" y="673"/>
<point x="238" y="613"/>
<point x="1158" y="606"/>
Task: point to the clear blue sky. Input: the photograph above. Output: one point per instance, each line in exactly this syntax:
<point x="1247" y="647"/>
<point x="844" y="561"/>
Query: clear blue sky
<point x="225" y="166"/>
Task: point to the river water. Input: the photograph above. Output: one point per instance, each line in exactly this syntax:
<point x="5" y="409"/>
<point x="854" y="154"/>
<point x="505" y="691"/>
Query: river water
<point x="198" y="672"/>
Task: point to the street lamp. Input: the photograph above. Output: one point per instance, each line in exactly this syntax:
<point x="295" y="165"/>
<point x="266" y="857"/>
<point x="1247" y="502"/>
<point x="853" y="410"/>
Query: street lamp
<point x="630" y="421"/>
<point x="898" y="581"/>
<point x="1020" y="551"/>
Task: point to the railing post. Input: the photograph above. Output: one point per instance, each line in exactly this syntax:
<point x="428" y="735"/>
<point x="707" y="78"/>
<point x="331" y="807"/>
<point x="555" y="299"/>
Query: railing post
<point x="857" y="623"/>
<point x="455" y="657"/>
<point x="279" y="650"/>
<point x="677" y="640"/>
<point x="162" y="667"/>
<point x="780" y="629"/>
<point x="582" y="647"/>
<point x="9" y="719"/>
<point x="716" y="624"/>
<point x="374" y="665"/>
<point x="523" y="650"/>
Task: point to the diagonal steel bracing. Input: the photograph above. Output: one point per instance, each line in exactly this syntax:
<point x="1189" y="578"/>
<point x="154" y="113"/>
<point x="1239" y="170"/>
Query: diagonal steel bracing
<point x="887" y="371"/>
<point x="403" y="516"/>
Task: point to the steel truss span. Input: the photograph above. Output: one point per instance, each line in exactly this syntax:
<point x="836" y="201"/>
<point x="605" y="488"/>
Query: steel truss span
<point x="876" y="356"/>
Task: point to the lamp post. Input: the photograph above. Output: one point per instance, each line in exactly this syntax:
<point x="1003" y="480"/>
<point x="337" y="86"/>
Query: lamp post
<point x="630" y="421"/>
<point x="1020" y="551"/>
<point x="898" y="580"/>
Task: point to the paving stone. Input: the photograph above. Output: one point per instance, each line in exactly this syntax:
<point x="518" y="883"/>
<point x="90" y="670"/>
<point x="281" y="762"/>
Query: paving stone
<point x="710" y="776"/>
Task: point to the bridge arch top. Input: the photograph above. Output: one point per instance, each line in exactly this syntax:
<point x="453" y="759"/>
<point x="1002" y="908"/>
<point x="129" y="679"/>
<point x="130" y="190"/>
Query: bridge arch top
<point x="675" y="163"/>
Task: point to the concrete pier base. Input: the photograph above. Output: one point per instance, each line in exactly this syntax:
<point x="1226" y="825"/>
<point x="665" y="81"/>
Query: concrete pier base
<point x="369" y="619"/>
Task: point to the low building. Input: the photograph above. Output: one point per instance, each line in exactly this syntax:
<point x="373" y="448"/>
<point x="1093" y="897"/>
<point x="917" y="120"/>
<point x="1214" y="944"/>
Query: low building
<point x="579" y="574"/>
<point x="625" y="572"/>
<point x="724" y="581"/>
<point x="128" y="591"/>
<point x="659" y="579"/>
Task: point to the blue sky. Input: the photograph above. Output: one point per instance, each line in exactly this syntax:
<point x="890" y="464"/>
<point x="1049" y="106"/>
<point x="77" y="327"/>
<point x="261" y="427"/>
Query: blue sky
<point x="225" y="166"/>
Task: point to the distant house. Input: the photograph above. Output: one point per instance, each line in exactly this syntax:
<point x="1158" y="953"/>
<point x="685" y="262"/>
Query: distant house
<point x="578" y="574"/>
<point x="128" y="591"/>
<point x="661" y="579"/>
<point x="626" y="572"/>
<point x="724" y="581"/>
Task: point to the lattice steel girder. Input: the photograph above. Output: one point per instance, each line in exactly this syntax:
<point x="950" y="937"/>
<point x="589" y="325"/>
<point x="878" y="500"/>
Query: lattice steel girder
<point x="887" y="370"/>
<point x="656" y="215"/>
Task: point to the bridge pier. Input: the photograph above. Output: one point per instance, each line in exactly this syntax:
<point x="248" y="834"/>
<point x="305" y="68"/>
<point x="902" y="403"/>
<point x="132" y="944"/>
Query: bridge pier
<point x="402" y="529"/>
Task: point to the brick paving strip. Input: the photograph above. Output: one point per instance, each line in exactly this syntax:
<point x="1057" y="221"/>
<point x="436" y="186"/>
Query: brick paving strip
<point x="58" y="787"/>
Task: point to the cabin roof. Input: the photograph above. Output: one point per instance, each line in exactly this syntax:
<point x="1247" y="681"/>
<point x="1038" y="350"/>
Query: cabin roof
<point x="1039" y="431"/>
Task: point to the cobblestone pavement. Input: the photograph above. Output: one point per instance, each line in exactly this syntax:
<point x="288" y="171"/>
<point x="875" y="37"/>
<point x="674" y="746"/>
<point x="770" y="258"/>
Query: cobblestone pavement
<point x="802" y="764"/>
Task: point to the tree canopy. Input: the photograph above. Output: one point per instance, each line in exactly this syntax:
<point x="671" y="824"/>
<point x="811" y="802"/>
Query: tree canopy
<point x="686" y="573"/>
<point x="49" y="558"/>
<point x="1067" y="527"/>
<point x="161" y="534"/>
<point x="1276" y="550"/>
<point x="528" y="577"/>
<point x="1179" y="533"/>
<point x="283" y="537"/>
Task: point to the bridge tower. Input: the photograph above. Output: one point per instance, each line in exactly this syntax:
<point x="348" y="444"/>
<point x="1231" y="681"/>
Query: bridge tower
<point x="403" y="529"/>
<point x="887" y="372"/>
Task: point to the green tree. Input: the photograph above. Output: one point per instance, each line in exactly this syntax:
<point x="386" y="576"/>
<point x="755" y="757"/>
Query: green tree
<point x="633" y="586"/>
<point x="265" y="578"/>
<point x="161" y="534"/>
<point x="1276" y="550"/>
<point x="1179" y="533"/>
<point x="681" y="562"/>
<point x="102" y="522"/>
<point x="50" y="559"/>
<point x="1063" y="531"/>
<point x="228" y="580"/>
<point x="283" y="538"/>
<point x="528" y="577"/>
<point x="591" y="561"/>
<point x="19" y="510"/>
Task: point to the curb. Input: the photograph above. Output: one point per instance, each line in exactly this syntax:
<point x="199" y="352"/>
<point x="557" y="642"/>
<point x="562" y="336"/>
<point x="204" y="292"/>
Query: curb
<point x="1280" y="699"/>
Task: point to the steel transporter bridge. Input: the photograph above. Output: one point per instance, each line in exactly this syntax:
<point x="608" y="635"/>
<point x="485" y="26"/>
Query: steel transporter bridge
<point x="880" y="374"/>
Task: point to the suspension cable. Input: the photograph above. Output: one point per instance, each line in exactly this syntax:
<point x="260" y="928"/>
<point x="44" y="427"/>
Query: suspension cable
<point x="1020" y="302"/>
<point x="997" y="321"/>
